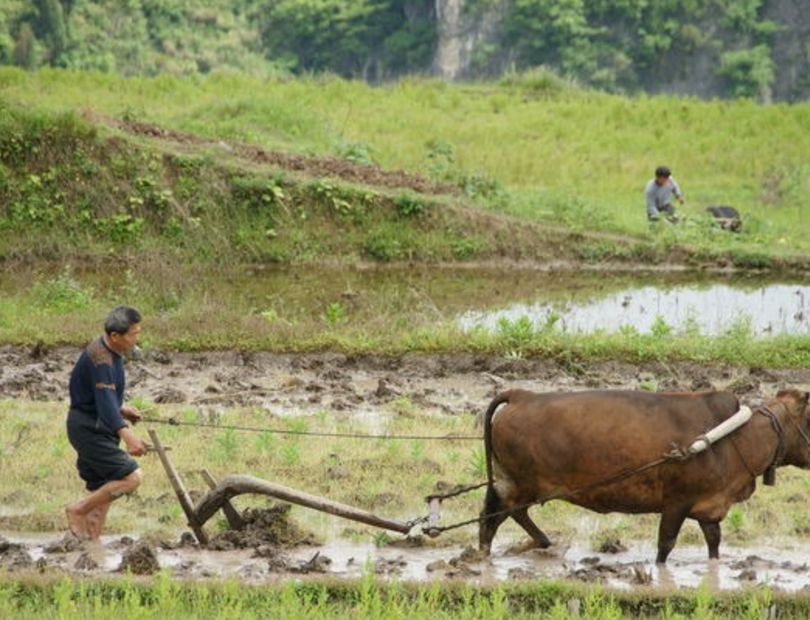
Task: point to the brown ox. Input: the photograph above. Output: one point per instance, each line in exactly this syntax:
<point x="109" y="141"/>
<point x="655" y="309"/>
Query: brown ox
<point x="543" y="446"/>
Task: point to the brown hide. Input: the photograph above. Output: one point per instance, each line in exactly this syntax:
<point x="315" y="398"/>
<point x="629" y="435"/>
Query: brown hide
<point x="552" y="444"/>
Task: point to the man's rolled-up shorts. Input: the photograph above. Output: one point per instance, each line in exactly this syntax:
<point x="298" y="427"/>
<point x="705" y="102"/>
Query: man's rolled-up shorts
<point x="100" y="458"/>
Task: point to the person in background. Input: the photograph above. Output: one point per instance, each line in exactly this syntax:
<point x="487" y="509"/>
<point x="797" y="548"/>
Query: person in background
<point x="659" y="193"/>
<point x="98" y="421"/>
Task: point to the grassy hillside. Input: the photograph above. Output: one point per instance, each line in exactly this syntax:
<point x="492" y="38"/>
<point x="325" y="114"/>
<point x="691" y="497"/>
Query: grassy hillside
<point x="533" y="147"/>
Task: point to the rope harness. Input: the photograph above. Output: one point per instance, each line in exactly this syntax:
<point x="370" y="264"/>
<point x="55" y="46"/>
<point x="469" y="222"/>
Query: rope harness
<point x="769" y="476"/>
<point x="279" y="431"/>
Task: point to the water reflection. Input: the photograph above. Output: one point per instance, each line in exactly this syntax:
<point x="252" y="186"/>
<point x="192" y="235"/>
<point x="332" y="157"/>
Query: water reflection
<point x="713" y="310"/>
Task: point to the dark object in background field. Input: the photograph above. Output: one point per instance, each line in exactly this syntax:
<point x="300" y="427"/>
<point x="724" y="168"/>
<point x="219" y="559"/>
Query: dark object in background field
<point x="727" y="217"/>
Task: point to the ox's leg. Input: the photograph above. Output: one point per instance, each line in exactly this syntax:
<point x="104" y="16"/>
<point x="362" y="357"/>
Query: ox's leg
<point x="490" y="522"/>
<point x="522" y="517"/>
<point x="668" y="529"/>
<point x="711" y="532"/>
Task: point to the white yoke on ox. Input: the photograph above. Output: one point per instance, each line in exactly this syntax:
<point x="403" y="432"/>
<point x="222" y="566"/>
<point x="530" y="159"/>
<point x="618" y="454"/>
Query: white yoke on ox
<point x="623" y="451"/>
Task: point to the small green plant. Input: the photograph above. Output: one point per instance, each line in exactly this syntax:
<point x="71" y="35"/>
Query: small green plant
<point x="441" y="158"/>
<point x="660" y="328"/>
<point x="357" y="152"/>
<point x="383" y="245"/>
<point x="517" y="333"/>
<point x="266" y="443"/>
<point x="227" y="444"/>
<point x="270" y="315"/>
<point x="409" y="205"/>
<point x="122" y="228"/>
<point x="402" y="405"/>
<point x="465" y="248"/>
<point x="335" y="313"/>
<point x="382" y="539"/>
<point x="736" y="519"/>
<point x="477" y="464"/>
<point x="291" y="453"/>
<point x="63" y="293"/>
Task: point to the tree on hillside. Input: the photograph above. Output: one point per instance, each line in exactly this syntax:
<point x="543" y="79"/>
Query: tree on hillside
<point x="50" y="26"/>
<point x="25" y="49"/>
<point x="346" y="36"/>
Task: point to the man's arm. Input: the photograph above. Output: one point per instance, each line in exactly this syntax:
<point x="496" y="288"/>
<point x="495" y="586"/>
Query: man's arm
<point x="109" y="413"/>
<point x="649" y="195"/>
<point x="135" y="445"/>
<point x="676" y="189"/>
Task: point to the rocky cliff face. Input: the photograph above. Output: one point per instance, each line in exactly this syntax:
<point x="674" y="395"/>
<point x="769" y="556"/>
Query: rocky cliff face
<point x="466" y="39"/>
<point x="470" y="44"/>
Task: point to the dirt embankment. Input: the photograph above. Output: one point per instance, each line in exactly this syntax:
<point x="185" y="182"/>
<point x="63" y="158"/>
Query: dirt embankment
<point x="311" y="166"/>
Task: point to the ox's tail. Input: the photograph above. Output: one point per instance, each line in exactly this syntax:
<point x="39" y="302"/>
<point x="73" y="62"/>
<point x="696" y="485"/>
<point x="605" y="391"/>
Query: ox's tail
<point x="501" y="398"/>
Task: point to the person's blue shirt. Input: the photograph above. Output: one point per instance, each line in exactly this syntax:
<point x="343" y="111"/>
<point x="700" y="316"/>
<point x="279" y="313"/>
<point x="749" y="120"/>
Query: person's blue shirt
<point x="97" y="386"/>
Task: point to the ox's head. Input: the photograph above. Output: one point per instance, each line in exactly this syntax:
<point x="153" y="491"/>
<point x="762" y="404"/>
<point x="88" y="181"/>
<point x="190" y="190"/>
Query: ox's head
<point x="796" y="427"/>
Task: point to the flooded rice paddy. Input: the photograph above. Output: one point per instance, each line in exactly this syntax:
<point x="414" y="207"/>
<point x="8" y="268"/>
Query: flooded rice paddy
<point x="574" y="301"/>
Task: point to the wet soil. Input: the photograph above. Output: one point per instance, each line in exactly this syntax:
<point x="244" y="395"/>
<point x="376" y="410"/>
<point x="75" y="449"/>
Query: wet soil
<point x="781" y="566"/>
<point x="362" y="385"/>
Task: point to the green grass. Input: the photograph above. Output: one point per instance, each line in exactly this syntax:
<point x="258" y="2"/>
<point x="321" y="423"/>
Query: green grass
<point x="574" y="154"/>
<point x="65" y="599"/>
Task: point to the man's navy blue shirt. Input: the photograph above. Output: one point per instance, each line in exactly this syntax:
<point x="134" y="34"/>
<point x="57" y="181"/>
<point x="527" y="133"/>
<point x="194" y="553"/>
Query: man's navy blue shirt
<point x="97" y="386"/>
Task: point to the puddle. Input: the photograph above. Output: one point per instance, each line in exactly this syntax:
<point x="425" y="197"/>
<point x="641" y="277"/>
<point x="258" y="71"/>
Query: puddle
<point x="783" y="567"/>
<point x="772" y="310"/>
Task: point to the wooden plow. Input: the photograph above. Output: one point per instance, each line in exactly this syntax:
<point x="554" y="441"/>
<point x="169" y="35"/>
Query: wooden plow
<point x="221" y="493"/>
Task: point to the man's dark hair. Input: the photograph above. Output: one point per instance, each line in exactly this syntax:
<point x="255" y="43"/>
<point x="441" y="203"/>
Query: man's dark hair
<point x="121" y="319"/>
<point x="662" y="171"/>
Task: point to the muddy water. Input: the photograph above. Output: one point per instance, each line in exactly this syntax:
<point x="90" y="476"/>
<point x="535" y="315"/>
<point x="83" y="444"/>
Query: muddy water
<point x="583" y="301"/>
<point x="711" y="309"/>
<point x="784" y="567"/>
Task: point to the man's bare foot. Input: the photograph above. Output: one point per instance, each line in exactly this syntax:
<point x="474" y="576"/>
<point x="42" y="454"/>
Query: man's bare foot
<point x="76" y="524"/>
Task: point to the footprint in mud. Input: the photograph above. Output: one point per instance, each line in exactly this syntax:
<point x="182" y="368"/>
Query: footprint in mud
<point x="66" y="544"/>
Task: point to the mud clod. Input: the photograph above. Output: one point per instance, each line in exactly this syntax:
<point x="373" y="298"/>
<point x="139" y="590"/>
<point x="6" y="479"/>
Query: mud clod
<point x="438" y="565"/>
<point x="14" y="556"/>
<point x="612" y="545"/>
<point x="85" y="562"/>
<point x="263" y="526"/>
<point x="140" y="559"/>
<point x="390" y="567"/>
<point x="170" y="395"/>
